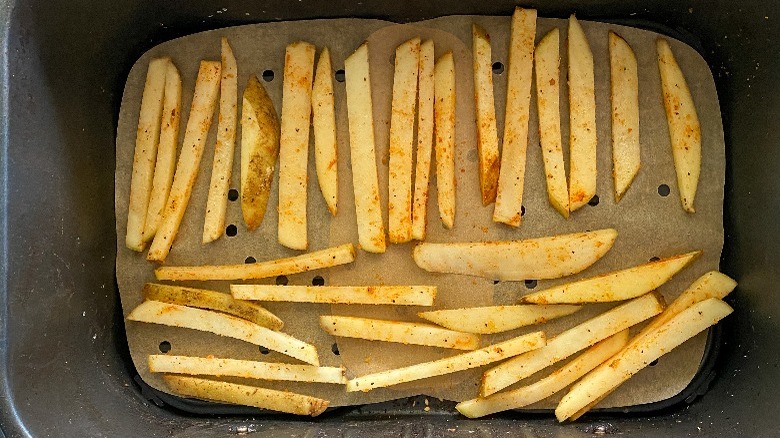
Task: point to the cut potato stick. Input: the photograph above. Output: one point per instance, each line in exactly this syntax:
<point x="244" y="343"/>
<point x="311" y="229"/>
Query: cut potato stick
<point x="614" y="286"/>
<point x="146" y="140"/>
<point x="398" y="331"/>
<point x="509" y="198"/>
<point x="547" y="62"/>
<point x="624" y="82"/>
<point x="582" y="118"/>
<point x="571" y="341"/>
<point x="294" y="144"/>
<point x="326" y="258"/>
<point x="324" y="127"/>
<point x="248" y="369"/>
<point x="496" y="319"/>
<point x="460" y="362"/>
<point x="684" y="127"/>
<point x="444" y="126"/>
<point x="201" y="114"/>
<point x="212" y="300"/>
<point x="637" y="356"/>
<point x="422" y="170"/>
<point x="485" y="106"/>
<point x="397" y="295"/>
<point x="546" y="387"/>
<point x="174" y="315"/>
<point x="399" y="181"/>
<point x="280" y="401"/>
<point x="365" y="181"/>
<point x="166" y="151"/>
<point x="515" y="260"/>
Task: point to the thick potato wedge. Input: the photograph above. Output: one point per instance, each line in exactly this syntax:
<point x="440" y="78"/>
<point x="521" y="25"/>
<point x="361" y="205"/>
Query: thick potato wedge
<point x="460" y="362"/>
<point x="280" y="401"/>
<point x="396" y="295"/>
<point x="614" y="286"/>
<point x="444" y="126"/>
<point x="485" y="106"/>
<point x="571" y="341"/>
<point x="684" y="127"/>
<point x="326" y="258"/>
<point x="496" y="319"/>
<point x="422" y="169"/>
<point x="398" y="331"/>
<point x="324" y="127"/>
<point x="624" y="83"/>
<point x="515" y="260"/>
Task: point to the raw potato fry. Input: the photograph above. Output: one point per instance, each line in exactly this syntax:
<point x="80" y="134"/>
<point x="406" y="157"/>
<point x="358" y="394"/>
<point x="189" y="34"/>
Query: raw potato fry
<point x="163" y="363"/>
<point x="485" y="106"/>
<point x="324" y="127"/>
<point x="166" y="151"/>
<point x="398" y="331"/>
<point x="638" y="355"/>
<point x="204" y="101"/>
<point x="516" y="260"/>
<point x="259" y="151"/>
<point x="174" y="315"/>
<point x="399" y="181"/>
<point x="397" y="295"/>
<point x="212" y="390"/>
<point x="326" y="258"/>
<point x="547" y="62"/>
<point x="146" y="139"/>
<point x="496" y="319"/>
<point x="571" y="341"/>
<point x="460" y="362"/>
<point x="546" y="387"/>
<point x="582" y="118"/>
<point x="624" y="82"/>
<point x="422" y="170"/>
<point x="684" y="127"/>
<point x="614" y="286"/>
<point x="444" y="126"/>
<point x="212" y="300"/>
<point x="222" y="167"/>
<point x="365" y="182"/>
<point x="509" y="198"/>
<point x="294" y="144"/>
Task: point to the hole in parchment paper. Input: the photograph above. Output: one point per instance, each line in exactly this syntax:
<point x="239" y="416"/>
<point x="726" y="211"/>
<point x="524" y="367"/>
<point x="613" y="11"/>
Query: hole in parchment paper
<point x="268" y="75"/>
<point x="594" y="201"/>
<point x="654" y="259"/>
<point x="522" y="210"/>
<point x="281" y="280"/>
<point x="339" y="75"/>
<point x="264" y="350"/>
<point x="496" y="281"/>
<point x="318" y="281"/>
<point x="335" y="349"/>
<point x="498" y="67"/>
<point x="232" y="194"/>
<point x="530" y="284"/>
<point x="250" y="260"/>
<point x="653" y="363"/>
<point x="165" y="346"/>
<point x="231" y="230"/>
<point x="663" y="190"/>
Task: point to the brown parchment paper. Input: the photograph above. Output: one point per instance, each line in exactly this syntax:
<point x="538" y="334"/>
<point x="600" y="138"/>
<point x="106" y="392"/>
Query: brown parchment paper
<point x="649" y="225"/>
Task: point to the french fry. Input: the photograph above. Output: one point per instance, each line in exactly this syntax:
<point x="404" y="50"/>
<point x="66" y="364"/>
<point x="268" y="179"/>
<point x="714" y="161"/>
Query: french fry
<point x="638" y="355"/>
<point x="422" y="170"/>
<point x="248" y="369"/>
<point x="582" y="118"/>
<point x="496" y="319"/>
<point x="146" y="140"/>
<point x="444" y="127"/>
<point x="326" y="258"/>
<point x="460" y="362"/>
<point x="212" y="390"/>
<point x="174" y="315"/>
<point x="294" y="144"/>
<point x="624" y="82"/>
<point x="365" y="182"/>
<point x="547" y="61"/>
<point x="222" y="167"/>
<point x="212" y="300"/>
<point x="204" y="101"/>
<point x="485" y="106"/>
<point x="515" y="260"/>
<point x="399" y="181"/>
<point x="684" y="127"/>
<point x="324" y="127"/>
<point x="509" y="198"/>
<point x="614" y="286"/>
<point x="546" y="387"/>
<point x="571" y="341"/>
<point x="398" y="331"/>
<point x="166" y="152"/>
<point x="395" y="295"/>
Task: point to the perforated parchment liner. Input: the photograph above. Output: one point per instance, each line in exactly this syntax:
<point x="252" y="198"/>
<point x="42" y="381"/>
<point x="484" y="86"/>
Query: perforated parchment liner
<point x="648" y="225"/>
